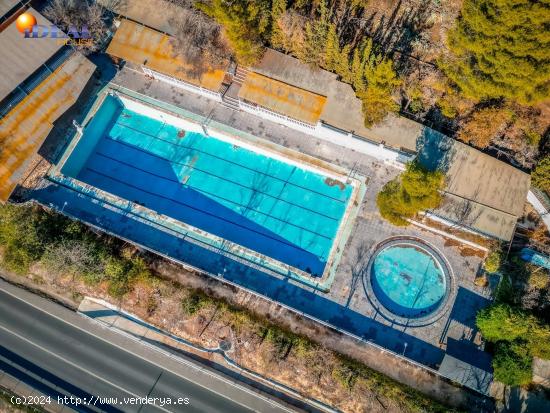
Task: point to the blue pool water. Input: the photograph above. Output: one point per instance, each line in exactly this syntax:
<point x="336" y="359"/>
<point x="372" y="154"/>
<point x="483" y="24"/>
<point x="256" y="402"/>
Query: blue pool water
<point x="269" y="206"/>
<point x="408" y="280"/>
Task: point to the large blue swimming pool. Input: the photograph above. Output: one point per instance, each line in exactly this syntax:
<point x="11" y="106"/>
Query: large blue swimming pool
<point x="270" y="206"/>
<point x="408" y="279"/>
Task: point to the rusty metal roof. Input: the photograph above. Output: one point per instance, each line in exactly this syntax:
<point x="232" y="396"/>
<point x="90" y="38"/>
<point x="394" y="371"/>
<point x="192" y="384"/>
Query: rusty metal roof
<point x="20" y="56"/>
<point x="282" y="98"/>
<point x="7" y="5"/>
<point x="147" y="47"/>
<point x="26" y="126"/>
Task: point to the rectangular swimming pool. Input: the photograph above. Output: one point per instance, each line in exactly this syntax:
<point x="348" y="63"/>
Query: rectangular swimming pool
<point x="276" y="207"/>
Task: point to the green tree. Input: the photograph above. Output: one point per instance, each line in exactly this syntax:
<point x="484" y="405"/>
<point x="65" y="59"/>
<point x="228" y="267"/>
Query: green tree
<point x="512" y="364"/>
<point x="245" y="23"/>
<point x="332" y="49"/>
<point x="316" y="36"/>
<point x="417" y="189"/>
<point x="337" y="58"/>
<point x="541" y="175"/>
<point x="501" y="48"/>
<point x="278" y="9"/>
<point x="24" y="234"/>
<point x="518" y="336"/>
<point x="503" y="322"/>
<point x="377" y="98"/>
<point x="356" y="78"/>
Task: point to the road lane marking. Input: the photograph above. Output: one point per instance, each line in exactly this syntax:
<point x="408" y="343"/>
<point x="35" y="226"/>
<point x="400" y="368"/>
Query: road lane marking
<point x="76" y="365"/>
<point x="181" y="360"/>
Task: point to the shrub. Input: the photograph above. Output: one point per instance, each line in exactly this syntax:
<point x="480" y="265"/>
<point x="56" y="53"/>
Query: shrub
<point x="538" y="279"/>
<point x="75" y="258"/>
<point x="21" y="242"/>
<point x="346" y="373"/>
<point x="512" y="364"/>
<point x="492" y="262"/>
<point x="195" y="302"/>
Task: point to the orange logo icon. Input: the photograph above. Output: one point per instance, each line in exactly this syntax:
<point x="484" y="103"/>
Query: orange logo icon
<point x="25" y="22"/>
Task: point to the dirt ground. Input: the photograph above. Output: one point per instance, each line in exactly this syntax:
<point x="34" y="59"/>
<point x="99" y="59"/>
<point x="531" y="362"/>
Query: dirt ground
<point x="311" y="370"/>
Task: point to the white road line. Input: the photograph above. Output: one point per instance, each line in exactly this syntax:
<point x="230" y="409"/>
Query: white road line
<point x="183" y="361"/>
<point x="76" y="365"/>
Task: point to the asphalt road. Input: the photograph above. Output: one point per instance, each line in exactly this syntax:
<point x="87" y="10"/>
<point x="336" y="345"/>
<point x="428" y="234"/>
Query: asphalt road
<point x="63" y="358"/>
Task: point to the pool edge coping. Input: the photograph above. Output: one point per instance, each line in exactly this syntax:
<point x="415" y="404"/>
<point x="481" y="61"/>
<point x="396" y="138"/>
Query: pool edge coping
<point x="430" y="318"/>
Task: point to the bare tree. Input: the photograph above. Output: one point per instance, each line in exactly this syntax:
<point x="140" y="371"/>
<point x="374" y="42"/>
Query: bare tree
<point x="199" y="40"/>
<point x="79" y="13"/>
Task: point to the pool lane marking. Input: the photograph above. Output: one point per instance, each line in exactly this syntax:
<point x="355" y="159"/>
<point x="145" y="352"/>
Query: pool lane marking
<point x="208" y="213"/>
<point x="228" y="161"/>
<point x="219" y="177"/>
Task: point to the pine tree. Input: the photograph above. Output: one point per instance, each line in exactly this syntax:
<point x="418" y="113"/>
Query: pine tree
<point x="332" y="49"/>
<point x="357" y="70"/>
<point x="316" y="36"/>
<point x="342" y="67"/>
<point x="501" y="48"/>
<point x="278" y="9"/>
<point x="245" y="23"/>
<point x="377" y="98"/>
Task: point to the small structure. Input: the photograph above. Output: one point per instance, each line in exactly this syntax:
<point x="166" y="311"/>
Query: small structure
<point x="536" y="258"/>
<point x="39" y="80"/>
<point x="482" y="194"/>
<point x="153" y="52"/>
<point x="314" y="101"/>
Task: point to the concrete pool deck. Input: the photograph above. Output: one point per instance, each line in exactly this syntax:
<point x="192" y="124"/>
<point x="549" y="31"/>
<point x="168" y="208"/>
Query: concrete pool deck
<point x="346" y="305"/>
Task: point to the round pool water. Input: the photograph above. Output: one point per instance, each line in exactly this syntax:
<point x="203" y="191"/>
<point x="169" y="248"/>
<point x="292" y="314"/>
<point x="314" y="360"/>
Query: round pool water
<point x="409" y="279"/>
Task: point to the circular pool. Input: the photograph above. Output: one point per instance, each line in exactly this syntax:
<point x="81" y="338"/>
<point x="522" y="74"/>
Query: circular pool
<point x="409" y="278"/>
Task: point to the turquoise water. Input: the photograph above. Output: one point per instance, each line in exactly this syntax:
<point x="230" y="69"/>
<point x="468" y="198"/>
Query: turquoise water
<point x="407" y="280"/>
<point x="264" y="204"/>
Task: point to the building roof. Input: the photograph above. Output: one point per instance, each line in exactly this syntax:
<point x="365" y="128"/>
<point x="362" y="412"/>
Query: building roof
<point x="157" y="14"/>
<point x="282" y="98"/>
<point x="150" y="48"/>
<point x="20" y="56"/>
<point x="7" y="5"/>
<point x="481" y="192"/>
<point x="26" y="126"/>
<point x="343" y="109"/>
